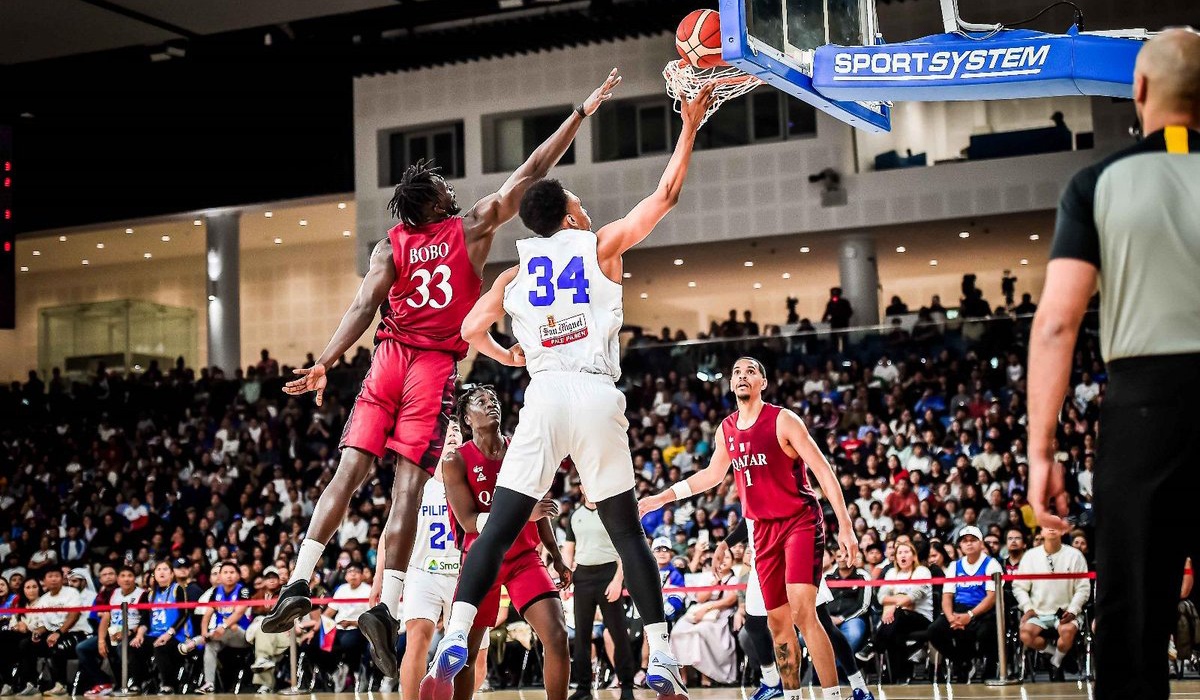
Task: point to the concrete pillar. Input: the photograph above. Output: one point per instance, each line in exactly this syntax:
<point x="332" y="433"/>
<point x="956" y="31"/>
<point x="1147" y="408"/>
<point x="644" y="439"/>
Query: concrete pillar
<point x="859" y="276"/>
<point x="222" y="279"/>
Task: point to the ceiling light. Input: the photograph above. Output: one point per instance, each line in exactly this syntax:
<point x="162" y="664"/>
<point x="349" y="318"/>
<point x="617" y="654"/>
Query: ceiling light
<point x="166" y="239"/>
<point x="692" y="285"/>
<point x="24" y="269"/>
<point x="787" y="275"/>
<point x="965" y="234"/>
<point x="901" y="249"/>
<point x="758" y="285"/>
<point x="645" y="295"/>
<point x="341" y="205"/>
<point x="197" y="222"/>
<point x="627" y="275"/>
<point x="36" y="253"/>
<point x="345" y="234"/>
<point x="749" y="263"/>
<point x="278" y="241"/>
<point x="804" y="249"/>
<point x="128" y="230"/>
<point x="85" y="262"/>
<point x="62" y="239"/>
<point x="99" y="246"/>
<point x="678" y="261"/>
<point x="212" y="297"/>
<point x="933" y="263"/>
<point x="268" y="214"/>
<point x="304" y="222"/>
<point x="147" y="255"/>
<point x="1034" y="237"/>
<point x="1024" y="261"/>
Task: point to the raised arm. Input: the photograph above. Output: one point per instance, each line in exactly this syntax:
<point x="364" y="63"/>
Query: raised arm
<point x="487" y="311"/>
<point x="703" y="480"/>
<point x="489" y="213"/>
<point x="355" y="322"/>
<point x="795" y="434"/>
<point x="621" y="235"/>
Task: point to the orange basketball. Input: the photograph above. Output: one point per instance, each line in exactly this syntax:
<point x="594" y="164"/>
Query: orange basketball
<point x="698" y="39"/>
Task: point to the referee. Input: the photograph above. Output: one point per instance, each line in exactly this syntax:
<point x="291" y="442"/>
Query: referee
<point x="598" y="583"/>
<point x="1132" y="223"/>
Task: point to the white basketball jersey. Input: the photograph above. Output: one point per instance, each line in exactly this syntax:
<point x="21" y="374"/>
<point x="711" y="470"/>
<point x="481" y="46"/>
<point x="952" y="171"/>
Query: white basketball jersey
<point x="566" y="314"/>
<point x="435" y="550"/>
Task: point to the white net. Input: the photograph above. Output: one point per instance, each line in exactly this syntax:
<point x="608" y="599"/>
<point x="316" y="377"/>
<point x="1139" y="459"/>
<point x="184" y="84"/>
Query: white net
<point x="684" y="81"/>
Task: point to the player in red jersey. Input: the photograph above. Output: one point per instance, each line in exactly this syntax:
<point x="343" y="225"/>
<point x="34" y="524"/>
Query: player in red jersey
<point x="425" y="276"/>
<point x="770" y="450"/>
<point x="470" y="477"/>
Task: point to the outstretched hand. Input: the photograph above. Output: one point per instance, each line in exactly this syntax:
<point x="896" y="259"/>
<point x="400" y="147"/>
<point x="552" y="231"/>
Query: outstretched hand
<point x="1047" y="486"/>
<point x="693" y="110"/>
<point x="311" y="379"/>
<point x="602" y="93"/>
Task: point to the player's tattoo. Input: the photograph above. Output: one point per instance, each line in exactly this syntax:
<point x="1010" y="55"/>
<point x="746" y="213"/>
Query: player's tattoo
<point x="787" y="659"/>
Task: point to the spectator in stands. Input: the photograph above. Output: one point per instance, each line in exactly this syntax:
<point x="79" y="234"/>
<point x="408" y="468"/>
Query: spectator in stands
<point x="1051" y="606"/>
<point x="349" y="643"/>
<point x="110" y="633"/>
<point x="967" y="629"/>
<point x="1026" y="307"/>
<point x="907" y="609"/>
<point x="996" y="513"/>
<point x="52" y="636"/>
<point x="896" y="308"/>
<point x="848" y="609"/>
<point x="702" y="638"/>
<point x="901" y="502"/>
<point x="1086" y="392"/>
<point x="749" y="326"/>
<point x="224" y="626"/>
<point x="669" y="528"/>
<point x="731" y="328"/>
<point x="987" y="460"/>
<point x="14" y="637"/>
<point x="837" y="310"/>
<point x="268" y="648"/>
<point x="168" y="627"/>
<point x="43" y="559"/>
<point x="1014" y="549"/>
<point x="670" y="577"/>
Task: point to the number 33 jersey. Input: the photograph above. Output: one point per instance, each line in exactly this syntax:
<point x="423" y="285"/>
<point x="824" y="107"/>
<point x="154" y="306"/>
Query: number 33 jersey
<point x="565" y="313"/>
<point x="435" y="550"/>
<point x="435" y="287"/>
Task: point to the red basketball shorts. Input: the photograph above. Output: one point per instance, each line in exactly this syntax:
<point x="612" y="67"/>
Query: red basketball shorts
<point x="787" y="551"/>
<point x="404" y="405"/>
<point x="526" y="581"/>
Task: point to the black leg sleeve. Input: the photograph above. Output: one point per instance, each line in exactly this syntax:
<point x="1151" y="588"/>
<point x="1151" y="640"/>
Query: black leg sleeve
<point x="620" y="517"/>
<point x="510" y="512"/>
<point x="841" y="648"/>
<point x="760" y="639"/>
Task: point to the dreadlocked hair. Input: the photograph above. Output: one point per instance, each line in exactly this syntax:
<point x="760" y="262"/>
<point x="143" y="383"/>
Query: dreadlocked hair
<point x="460" y="407"/>
<point x="416" y="191"/>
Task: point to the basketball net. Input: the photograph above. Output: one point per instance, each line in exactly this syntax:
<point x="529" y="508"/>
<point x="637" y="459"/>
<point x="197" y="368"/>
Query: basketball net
<point x="684" y="82"/>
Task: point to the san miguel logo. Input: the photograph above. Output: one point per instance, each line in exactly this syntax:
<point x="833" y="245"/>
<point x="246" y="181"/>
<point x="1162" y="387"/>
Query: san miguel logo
<point x="568" y="330"/>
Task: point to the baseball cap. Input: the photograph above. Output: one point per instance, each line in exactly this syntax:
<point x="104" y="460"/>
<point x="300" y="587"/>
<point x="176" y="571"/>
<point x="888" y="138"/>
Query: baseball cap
<point x="181" y="563"/>
<point x="970" y="531"/>
<point x="661" y="543"/>
<point x="270" y="571"/>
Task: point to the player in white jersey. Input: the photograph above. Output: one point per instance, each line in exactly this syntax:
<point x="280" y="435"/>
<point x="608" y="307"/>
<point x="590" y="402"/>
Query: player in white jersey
<point x="565" y="302"/>
<point x="760" y="636"/>
<point x="431" y="578"/>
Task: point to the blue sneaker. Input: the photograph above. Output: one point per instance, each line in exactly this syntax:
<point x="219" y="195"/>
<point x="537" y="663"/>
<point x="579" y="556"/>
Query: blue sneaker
<point x="862" y="694"/>
<point x="662" y="675"/>
<point x="768" y="692"/>
<point x="448" y="660"/>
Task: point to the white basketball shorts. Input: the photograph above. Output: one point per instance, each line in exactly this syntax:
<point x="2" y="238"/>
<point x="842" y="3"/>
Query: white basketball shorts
<point x="429" y="597"/>
<point x="570" y="414"/>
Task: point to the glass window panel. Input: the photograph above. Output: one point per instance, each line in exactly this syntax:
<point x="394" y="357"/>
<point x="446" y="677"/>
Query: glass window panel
<point x="766" y="114"/>
<point x="806" y="23"/>
<point x="764" y="20"/>
<point x="802" y="118"/>
<point x="652" y="129"/>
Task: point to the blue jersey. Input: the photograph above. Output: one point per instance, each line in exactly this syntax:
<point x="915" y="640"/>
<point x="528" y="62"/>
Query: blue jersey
<point x="220" y="595"/>
<point x="163" y="620"/>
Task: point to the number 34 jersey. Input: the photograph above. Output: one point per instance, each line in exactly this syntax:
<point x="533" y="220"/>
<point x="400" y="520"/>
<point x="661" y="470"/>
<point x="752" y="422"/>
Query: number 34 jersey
<point x="565" y="313"/>
<point x="435" y="550"/>
<point x="435" y="287"/>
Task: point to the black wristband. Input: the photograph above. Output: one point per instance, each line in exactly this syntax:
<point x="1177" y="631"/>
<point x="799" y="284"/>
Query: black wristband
<point x="580" y="111"/>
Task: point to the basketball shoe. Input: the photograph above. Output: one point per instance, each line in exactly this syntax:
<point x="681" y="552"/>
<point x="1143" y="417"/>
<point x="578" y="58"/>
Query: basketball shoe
<point x="449" y="658"/>
<point x="662" y="675"/>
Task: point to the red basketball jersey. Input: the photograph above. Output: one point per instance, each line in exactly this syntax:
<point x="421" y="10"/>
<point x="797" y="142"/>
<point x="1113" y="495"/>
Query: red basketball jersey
<point x="771" y="484"/>
<point x="435" y="287"/>
<point x="481" y="476"/>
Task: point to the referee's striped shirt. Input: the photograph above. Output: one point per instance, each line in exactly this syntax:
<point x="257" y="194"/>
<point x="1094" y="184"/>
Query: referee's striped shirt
<point x="1136" y="217"/>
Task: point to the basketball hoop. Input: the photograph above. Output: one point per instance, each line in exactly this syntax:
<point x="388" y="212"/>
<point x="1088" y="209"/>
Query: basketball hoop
<point x="685" y="81"/>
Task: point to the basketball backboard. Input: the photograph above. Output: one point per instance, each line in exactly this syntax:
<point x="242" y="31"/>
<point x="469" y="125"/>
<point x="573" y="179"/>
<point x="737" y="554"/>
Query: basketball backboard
<point x="831" y="54"/>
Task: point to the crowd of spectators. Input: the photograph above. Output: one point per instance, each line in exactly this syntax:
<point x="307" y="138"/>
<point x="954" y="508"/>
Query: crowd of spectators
<point x="178" y="484"/>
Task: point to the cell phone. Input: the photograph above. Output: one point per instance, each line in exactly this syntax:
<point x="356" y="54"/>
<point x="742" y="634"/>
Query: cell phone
<point x="702" y="537"/>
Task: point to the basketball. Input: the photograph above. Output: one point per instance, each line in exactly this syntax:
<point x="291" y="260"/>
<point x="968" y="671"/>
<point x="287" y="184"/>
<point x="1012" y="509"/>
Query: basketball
<point x="698" y="39"/>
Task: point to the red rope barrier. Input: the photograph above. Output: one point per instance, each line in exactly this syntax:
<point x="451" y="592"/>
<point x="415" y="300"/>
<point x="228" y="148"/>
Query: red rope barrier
<point x="833" y="583"/>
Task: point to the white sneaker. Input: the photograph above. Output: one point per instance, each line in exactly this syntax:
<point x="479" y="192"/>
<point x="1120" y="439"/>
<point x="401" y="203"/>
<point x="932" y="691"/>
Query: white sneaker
<point x="57" y="691"/>
<point x="662" y="675"/>
<point x="262" y="664"/>
<point x="7" y="691"/>
<point x="205" y="689"/>
<point x="30" y="691"/>
<point x="448" y="660"/>
<point x="264" y="690"/>
<point x="387" y="685"/>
